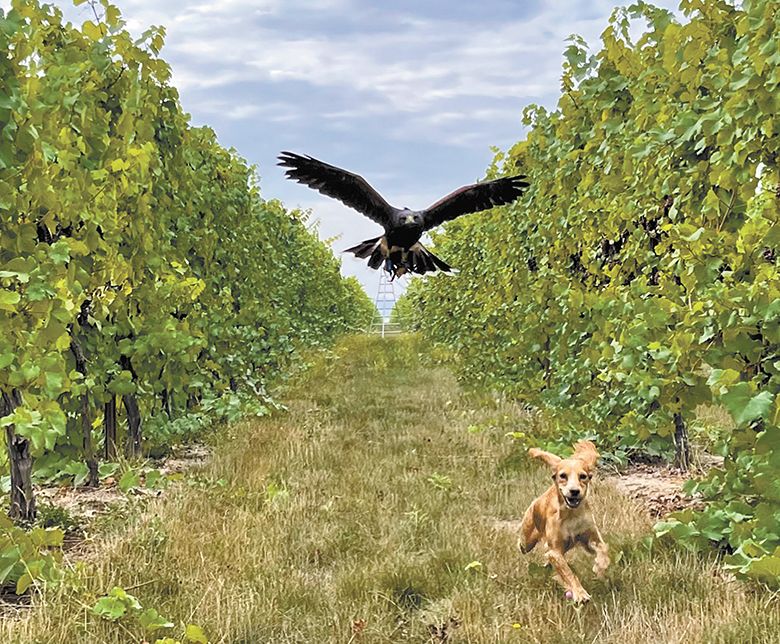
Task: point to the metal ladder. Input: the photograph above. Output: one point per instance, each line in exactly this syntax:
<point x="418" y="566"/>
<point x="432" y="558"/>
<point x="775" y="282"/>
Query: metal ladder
<point x="384" y="302"/>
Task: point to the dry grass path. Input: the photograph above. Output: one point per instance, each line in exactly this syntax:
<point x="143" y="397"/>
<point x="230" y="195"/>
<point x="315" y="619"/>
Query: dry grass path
<point x="357" y="517"/>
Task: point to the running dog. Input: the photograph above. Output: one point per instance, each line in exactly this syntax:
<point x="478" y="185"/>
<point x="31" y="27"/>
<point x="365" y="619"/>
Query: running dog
<point x="561" y="517"/>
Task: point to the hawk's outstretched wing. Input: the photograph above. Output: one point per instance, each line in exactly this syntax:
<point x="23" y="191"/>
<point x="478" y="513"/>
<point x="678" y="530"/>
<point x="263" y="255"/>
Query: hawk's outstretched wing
<point x="349" y="188"/>
<point x="473" y="198"/>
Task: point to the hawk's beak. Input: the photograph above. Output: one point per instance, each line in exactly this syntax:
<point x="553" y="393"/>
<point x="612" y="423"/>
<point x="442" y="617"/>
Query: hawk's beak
<point x="409" y="219"/>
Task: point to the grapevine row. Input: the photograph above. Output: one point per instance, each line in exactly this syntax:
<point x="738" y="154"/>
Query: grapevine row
<point x="639" y="279"/>
<point x="142" y="275"/>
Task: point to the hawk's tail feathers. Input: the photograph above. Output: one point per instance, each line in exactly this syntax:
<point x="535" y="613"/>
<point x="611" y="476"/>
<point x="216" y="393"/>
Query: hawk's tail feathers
<point x="371" y="248"/>
<point x="365" y="248"/>
<point x="422" y="261"/>
<point x="418" y="258"/>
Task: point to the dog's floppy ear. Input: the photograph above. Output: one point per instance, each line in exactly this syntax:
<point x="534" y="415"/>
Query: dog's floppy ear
<point x="587" y="453"/>
<point x="551" y="459"/>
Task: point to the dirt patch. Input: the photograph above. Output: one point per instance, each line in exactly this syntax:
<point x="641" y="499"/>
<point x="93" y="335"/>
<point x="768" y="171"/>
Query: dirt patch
<point x="185" y="458"/>
<point x="13" y="606"/>
<point x="83" y="505"/>
<point x="655" y="488"/>
<point x="658" y="489"/>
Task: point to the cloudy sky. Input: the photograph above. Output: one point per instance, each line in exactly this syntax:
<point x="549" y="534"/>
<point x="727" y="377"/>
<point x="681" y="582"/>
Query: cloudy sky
<point x="411" y="94"/>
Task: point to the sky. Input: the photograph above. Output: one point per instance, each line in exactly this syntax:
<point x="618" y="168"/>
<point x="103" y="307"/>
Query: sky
<point x="410" y="94"/>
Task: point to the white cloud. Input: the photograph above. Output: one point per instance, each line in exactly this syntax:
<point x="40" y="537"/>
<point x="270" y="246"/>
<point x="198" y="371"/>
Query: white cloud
<point x="423" y="72"/>
<point x="411" y="99"/>
<point x="240" y="109"/>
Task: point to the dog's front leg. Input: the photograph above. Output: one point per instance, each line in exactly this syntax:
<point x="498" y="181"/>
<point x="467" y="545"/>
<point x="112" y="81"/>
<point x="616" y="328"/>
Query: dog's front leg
<point x="596" y="546"/>
<point x="602" y="558"/>
<point x="566" y="575"/>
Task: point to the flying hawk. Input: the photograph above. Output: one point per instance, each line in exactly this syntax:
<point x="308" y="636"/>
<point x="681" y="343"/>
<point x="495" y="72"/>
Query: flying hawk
<point x="400" y="246"/>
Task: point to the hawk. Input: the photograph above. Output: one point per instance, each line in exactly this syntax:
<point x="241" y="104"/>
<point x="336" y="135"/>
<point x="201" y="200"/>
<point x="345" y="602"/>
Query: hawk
<point x="399" y="248"/>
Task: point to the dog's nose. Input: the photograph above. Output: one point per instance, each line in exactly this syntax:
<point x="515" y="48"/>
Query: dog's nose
<point x="574" y="493"/>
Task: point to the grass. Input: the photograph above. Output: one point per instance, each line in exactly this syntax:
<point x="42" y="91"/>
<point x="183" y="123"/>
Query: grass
<point x="357" y="517"/>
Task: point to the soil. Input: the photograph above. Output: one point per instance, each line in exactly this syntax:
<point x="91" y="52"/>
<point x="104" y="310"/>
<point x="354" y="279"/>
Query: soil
<point x="84" y="505"/>
<point x="658" y="488"/>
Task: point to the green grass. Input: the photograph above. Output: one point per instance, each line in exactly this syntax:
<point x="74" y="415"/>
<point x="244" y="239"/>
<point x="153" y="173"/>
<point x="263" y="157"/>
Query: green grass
<point x="354" y="518"/>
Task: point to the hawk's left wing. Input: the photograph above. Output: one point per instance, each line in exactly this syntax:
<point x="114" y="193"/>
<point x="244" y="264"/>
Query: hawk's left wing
<point x="473" y="198"/>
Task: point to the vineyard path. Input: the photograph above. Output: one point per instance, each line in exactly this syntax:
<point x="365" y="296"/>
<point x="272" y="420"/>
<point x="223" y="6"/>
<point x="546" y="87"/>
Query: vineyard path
<point x="382" y="507"/>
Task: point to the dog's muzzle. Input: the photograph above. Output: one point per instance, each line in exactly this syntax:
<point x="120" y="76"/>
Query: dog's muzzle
<point x="572" y="501"/>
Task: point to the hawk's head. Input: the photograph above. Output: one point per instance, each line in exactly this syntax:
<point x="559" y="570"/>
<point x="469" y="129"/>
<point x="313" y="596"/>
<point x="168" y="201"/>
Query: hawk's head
<point x="410" y="218"/>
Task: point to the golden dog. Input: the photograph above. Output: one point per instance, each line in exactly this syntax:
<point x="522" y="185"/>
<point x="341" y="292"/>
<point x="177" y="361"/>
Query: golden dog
<point x="561" y="518"/>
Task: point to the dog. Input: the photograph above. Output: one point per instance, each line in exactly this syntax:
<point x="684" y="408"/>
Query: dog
<point x="561" y="518"/>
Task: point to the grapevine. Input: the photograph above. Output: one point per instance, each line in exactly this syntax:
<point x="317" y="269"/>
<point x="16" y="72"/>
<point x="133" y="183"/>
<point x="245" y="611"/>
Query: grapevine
<point x="638" y="279"/>
<point x="142" y="274"/>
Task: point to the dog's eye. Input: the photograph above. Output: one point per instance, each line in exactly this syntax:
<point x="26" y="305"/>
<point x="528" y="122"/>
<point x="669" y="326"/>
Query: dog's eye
<point x="583" y="477"/>
<point x="563" y="477"/>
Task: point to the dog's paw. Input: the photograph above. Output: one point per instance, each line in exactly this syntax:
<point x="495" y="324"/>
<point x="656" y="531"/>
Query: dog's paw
<point x="600" y="565"/>
<point x="578" y="595"/>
